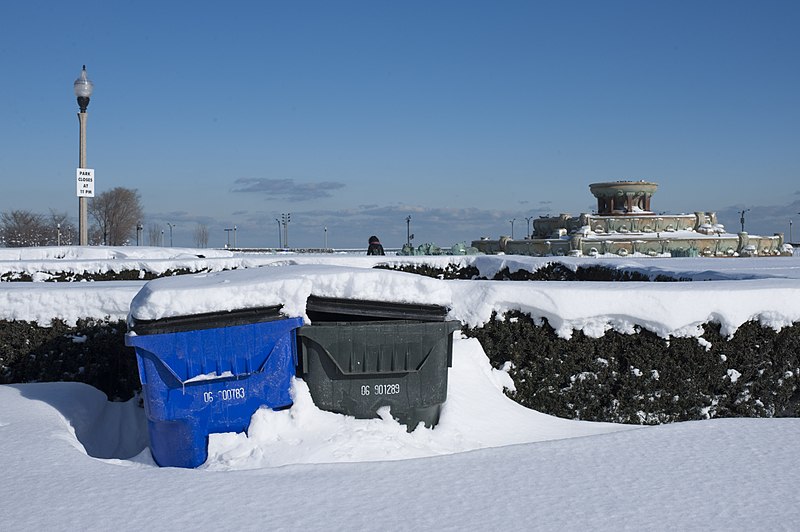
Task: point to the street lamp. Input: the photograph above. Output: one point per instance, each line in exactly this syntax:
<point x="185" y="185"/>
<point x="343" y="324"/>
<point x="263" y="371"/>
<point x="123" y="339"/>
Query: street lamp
<point x="512" y="227"/>
<point x="228" y="230"/>
<point x="285" y="219"/>
<point x="742" y="218"/>
<point x="326" y="238"/>
<point x="280" y="241"/>
<point x="409" y="236"/>
<point x="528" y="219"/>
<point x="138" y="231"/>
<point x="58" y="227"/>
<point x="162" y="238"/>
<point x="170" y="233"/>
<point x="234" y="237"/>
<point x="83" y="91"/>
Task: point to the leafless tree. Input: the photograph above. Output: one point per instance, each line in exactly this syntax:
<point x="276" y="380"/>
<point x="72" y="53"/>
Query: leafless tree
<point x="22" y="229"/>
<point x="116" y="212"/>
<point x="25" y="228"/>
<point x="201" y="235"/>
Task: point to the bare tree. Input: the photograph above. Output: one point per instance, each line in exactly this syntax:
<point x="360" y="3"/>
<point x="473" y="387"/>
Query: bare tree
<point x="154" y="234"/>
<point x="201" y="235"/>
<point x="117" y="211"/>
<point x="25" y="228"/>
<point x="22" y="229"/>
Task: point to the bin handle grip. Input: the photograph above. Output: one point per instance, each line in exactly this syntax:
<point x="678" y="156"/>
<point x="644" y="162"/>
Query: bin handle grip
<point x="227" y="375"/>
<point x="343" y="371"/>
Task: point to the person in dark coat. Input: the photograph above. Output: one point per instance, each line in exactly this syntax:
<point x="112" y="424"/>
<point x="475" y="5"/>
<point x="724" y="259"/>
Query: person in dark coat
<point x="375" y="247"/>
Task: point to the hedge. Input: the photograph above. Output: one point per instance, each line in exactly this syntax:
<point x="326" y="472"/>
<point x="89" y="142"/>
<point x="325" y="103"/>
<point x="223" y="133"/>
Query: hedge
<point x="643" y="378"/>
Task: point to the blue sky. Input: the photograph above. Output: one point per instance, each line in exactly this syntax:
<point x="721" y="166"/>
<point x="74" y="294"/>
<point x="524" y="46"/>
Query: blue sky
<point x="354" y="115"/>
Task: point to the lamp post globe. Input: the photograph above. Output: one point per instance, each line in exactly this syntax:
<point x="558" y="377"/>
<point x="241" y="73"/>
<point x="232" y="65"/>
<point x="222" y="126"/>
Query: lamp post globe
<point x="83" y="91"/>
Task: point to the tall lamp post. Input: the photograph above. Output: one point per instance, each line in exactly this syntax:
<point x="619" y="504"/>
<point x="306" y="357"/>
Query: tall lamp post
<point x="528" y="219"/>
<point x="83" y="91"/>
<point x="285" y="219"/>
<point x="138" y="232"/>
<point x="409" y="236"/>
<point x="326" y="238"/>
<point x="741" y="219"/>
<point x="512" y="227"/>
<point x="280" y="240"/>
<point x="790" y="231"/>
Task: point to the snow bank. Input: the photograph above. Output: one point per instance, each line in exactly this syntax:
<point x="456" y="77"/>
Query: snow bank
<point x="667" y="309"/>
<point x="42" y="302"/>
<point x="766" y="290"/>
<point x="476" y="415"/>
<point x="674" y="476"/>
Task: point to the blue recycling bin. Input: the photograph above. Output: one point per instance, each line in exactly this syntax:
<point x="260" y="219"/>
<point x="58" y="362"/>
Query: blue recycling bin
<point x="209" y="373"/>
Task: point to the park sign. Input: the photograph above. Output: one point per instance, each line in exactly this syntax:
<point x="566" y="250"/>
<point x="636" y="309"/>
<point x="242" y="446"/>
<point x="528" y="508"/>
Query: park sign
<point x="85" y="182"/>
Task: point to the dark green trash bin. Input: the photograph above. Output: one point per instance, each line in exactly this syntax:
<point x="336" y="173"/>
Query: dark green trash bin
<point x="358" y="356"/>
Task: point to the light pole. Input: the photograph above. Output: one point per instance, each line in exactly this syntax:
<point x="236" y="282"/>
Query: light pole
<point x="742" y="218"/>
<point x="326" y="238"/>
<point x="528" y="219"/>
<point x="280" y="240"/>
<point x="138" y="232"/>
<point x="285" y="219"/>
<point x="512" y="227"/>
<point x="170" y="233"/>
<point x="58" y="228"/>
<point x="162" y="238"/>
<point x="83" y="91"/>
<point x="409" y="236"/>
<point x="234" y="237"/>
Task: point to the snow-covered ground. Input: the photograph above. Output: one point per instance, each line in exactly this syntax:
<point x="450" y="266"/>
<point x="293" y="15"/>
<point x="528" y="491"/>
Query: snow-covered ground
<point x="72" y="460"/>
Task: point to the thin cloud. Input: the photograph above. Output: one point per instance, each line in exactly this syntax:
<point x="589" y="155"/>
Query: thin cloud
<point x="286" y="189"/>
<point x="178" y="217"/>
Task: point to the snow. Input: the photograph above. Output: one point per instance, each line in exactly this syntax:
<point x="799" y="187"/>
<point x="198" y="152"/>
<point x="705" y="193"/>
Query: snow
<point x="72" y="460"/>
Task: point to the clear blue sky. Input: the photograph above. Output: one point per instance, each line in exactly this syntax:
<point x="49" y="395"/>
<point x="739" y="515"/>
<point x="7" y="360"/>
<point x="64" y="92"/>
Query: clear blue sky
<point x="354" y="115"/>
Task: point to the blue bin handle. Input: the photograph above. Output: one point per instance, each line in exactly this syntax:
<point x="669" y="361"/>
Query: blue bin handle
<point x="142" y="352"/>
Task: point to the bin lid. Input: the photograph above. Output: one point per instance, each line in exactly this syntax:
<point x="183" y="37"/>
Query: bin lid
<point x="363" y="308"/>
<point x="209" y="320"/>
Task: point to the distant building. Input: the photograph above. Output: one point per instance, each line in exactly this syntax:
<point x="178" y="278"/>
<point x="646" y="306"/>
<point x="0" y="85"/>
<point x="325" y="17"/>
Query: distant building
<point x="625" y="224"/>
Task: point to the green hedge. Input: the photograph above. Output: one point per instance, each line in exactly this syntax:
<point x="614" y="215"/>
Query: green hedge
<point x="642" y="378"/>
<point x="553" y="271"/>
<point x="93" y="351"/>
<point x="74" y="277"/>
